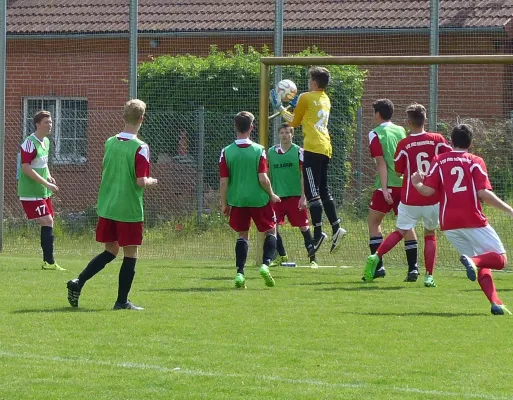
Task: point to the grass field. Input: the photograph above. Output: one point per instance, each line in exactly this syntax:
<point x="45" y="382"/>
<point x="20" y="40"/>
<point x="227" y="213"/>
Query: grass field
<point x="319" y="334"/>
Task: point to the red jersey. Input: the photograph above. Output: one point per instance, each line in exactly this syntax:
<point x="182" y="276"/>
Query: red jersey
<point x="457" y="176"/>
<point x="415" y="153"/>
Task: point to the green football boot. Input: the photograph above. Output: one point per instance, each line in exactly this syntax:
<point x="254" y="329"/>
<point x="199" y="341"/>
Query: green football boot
<point x="240" y="281"/>
<point x="429" y="281"/>
<point x="52" y="267"/>
<point x="370" y="267"/>
<point x="278" y="260"/>
<point x="268" y="279"/>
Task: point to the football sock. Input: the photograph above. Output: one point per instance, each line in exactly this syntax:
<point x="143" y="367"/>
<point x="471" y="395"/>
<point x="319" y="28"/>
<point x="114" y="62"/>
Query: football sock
<point x="308" y="239"/>
<point x="410" y="247"/>
<point x="388" y="244"/>
<point x="47" y="244"/>
<point x="331" y="213"/>
<point x="126" y="276"/>
<point x="95" y="265"/>
<point x="489" y="260"/>
<point x="241" y="254"/>
<point x="430" y="253"/>
<point x="484" y="278"/>
<point x="374" y="243"/>
<point x="269" y="248"/>
<point x="279" y="245"/>
<point x="316" y="215"/>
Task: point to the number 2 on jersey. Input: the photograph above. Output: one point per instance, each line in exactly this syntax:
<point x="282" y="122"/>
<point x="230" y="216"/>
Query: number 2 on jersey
<point x="457" y="186"/>
<point x="322" y="123"/>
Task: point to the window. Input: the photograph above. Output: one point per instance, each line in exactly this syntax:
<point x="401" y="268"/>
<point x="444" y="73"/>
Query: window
<point x="69" y="132"/>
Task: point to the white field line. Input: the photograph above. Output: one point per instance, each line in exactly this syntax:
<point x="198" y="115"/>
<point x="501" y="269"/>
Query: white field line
<point x="307" y="382"/>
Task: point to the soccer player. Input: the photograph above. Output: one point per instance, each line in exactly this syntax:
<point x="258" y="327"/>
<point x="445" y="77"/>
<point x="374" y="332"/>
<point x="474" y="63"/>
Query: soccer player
<point x="312" y="111"/>
<point x="383" y="141"/>
<point x="413" y="153"/>
<point x="36" y="184"/>
<point x="125" y="175"/>
<point x="285" y="171"/>
<point x="461" y="179"/>
<point x="246" y="194"/>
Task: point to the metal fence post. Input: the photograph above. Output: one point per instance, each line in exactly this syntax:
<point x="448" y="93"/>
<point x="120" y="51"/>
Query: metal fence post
<point x="434" y="39"/>
<point x="201" y="158"/>
<point x="132" y="79"/>
<point x="3" y="51"/>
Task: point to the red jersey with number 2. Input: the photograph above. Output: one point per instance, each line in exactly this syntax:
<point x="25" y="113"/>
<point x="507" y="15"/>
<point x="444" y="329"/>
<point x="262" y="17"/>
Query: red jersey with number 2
<point x="458" y="176"/>
<point x="414" y="153"/>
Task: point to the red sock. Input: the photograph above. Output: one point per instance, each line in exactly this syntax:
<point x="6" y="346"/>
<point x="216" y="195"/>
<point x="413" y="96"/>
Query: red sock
<point x="490" y="260"/>
<point x="484" y="277"/>
<point x="430" y="253"/>
<point x="389" y="243"/>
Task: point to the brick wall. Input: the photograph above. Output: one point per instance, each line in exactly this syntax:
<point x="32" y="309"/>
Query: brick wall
<point x="98" y="70"/>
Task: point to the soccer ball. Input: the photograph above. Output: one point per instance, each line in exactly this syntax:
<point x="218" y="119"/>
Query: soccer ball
<point x="286" y="89"/>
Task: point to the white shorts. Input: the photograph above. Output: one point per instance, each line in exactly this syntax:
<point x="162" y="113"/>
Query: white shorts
<point x="408" y="216"/>
<point x="475" y="241"/>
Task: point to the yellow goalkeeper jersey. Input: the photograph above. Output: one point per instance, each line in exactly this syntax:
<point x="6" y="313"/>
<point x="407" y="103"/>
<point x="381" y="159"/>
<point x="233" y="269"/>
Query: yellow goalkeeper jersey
<point x="312" y="113"/>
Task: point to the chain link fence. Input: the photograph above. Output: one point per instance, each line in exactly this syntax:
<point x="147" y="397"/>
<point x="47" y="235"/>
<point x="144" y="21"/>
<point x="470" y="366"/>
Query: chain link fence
<point x="79" y="71"/>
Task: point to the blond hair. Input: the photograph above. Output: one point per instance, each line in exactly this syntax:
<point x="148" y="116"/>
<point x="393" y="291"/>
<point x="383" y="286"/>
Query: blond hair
<point x="134" y="111"/>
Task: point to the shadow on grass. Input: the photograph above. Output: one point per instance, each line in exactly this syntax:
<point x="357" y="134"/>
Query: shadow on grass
<point x="499" y="290"/>
<point x="363" y="288"/>
<point x="191" y="290"/>
<point x="317" y="283"/>
<point x="418" y="314"/>
<point x="58" y="310"/>
<point x="218" y="278"/>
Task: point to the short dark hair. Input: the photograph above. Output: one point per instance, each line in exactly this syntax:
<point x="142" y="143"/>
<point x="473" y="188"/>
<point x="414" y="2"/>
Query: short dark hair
<point x="385" y="108"/>
<point x="461" y="136"/>
<point x="416" y="114"/>
<point x="243" y="121"/>
<point x="41" y="115"/>
<point x="286" y="125"/>
<point x="320" y="75"/>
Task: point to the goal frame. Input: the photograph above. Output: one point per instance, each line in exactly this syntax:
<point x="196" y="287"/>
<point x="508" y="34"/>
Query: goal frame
<point x="267" y="62"/>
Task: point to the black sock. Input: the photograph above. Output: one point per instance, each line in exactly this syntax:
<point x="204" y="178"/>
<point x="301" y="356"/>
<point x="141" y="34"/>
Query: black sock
<point x="331" y="213"/>
<point x="126" y="276"/>
<point x="47" y="244"/>
<point x="307" y="236"/>
<point x="279" y="245"/>
<point x="374" y="243"/>
<point x="269" y="248"/>
<point x="410" y="247"/>
<point x="95" y="265"/>
<point x="316" y="215"/>
<point x="241" y="254"/>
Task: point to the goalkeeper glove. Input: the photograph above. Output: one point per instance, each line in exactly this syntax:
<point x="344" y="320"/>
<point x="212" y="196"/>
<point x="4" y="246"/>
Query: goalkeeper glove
<point x="275" y="100"/>
<point x="293" y="102"/>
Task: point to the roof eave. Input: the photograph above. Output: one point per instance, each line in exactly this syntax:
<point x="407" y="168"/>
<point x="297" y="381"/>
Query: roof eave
<point x="258" y="33"/>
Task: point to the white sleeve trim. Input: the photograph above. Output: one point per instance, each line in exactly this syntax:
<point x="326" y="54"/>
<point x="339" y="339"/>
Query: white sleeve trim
<point x="372" y="135"/>
<point x="479" y="168"/>
<point x="145" y="152"/>
<point x="28" y="146"/>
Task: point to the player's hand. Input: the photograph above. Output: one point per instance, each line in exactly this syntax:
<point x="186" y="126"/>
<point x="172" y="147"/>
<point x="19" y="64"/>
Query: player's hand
<point x="302" y="203"/>
<point x="293" y="102"/>
<point x="225" y="209"/>
<point x="51" y="180"/>
<point x="151" y="181"/>
<point x="275" y="199"/>
<point x="417" y="178"/>
<point x="274" y="99"/>
<point x="53" y="187"/>
<point x="388" y="197"/>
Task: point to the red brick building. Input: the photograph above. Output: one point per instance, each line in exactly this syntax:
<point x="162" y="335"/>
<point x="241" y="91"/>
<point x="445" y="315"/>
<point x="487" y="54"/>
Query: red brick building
<point x="72" y="57"/>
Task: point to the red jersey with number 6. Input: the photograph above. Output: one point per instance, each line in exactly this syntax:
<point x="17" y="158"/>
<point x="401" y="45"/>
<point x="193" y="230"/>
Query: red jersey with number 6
<point x="414" y="153"/>
<point x="458" y="176"/>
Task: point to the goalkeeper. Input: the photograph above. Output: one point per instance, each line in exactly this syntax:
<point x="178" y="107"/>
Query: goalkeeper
<point x="312" y="111"/>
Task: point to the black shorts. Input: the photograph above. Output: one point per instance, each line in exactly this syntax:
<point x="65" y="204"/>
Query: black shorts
<point x="315" y="176"/>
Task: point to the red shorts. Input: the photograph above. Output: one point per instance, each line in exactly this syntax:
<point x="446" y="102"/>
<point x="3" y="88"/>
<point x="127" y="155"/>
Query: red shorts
<point x="379" y="204"/>
<point x="264" y="218"/>
<point x="37" y="208"/>
<point x="289" y="207"/>
<point x="125" y="233"/>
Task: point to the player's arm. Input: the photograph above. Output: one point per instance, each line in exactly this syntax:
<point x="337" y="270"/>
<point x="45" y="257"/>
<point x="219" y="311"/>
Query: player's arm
<point x="223" y="190"/>
<point x="491" y="199"/>
<point x="266" y="184"/>
<point x="295" y="118"/>
<point x="29" y="171"/>
<point x="142" y="167"/>
<point x="381" y="166"/>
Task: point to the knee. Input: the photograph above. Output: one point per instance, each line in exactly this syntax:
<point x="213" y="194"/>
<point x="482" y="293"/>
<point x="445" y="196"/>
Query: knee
<point x="113" y="248"/>
<point x="47" y="220"/>
<point x="505" y="258"/>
